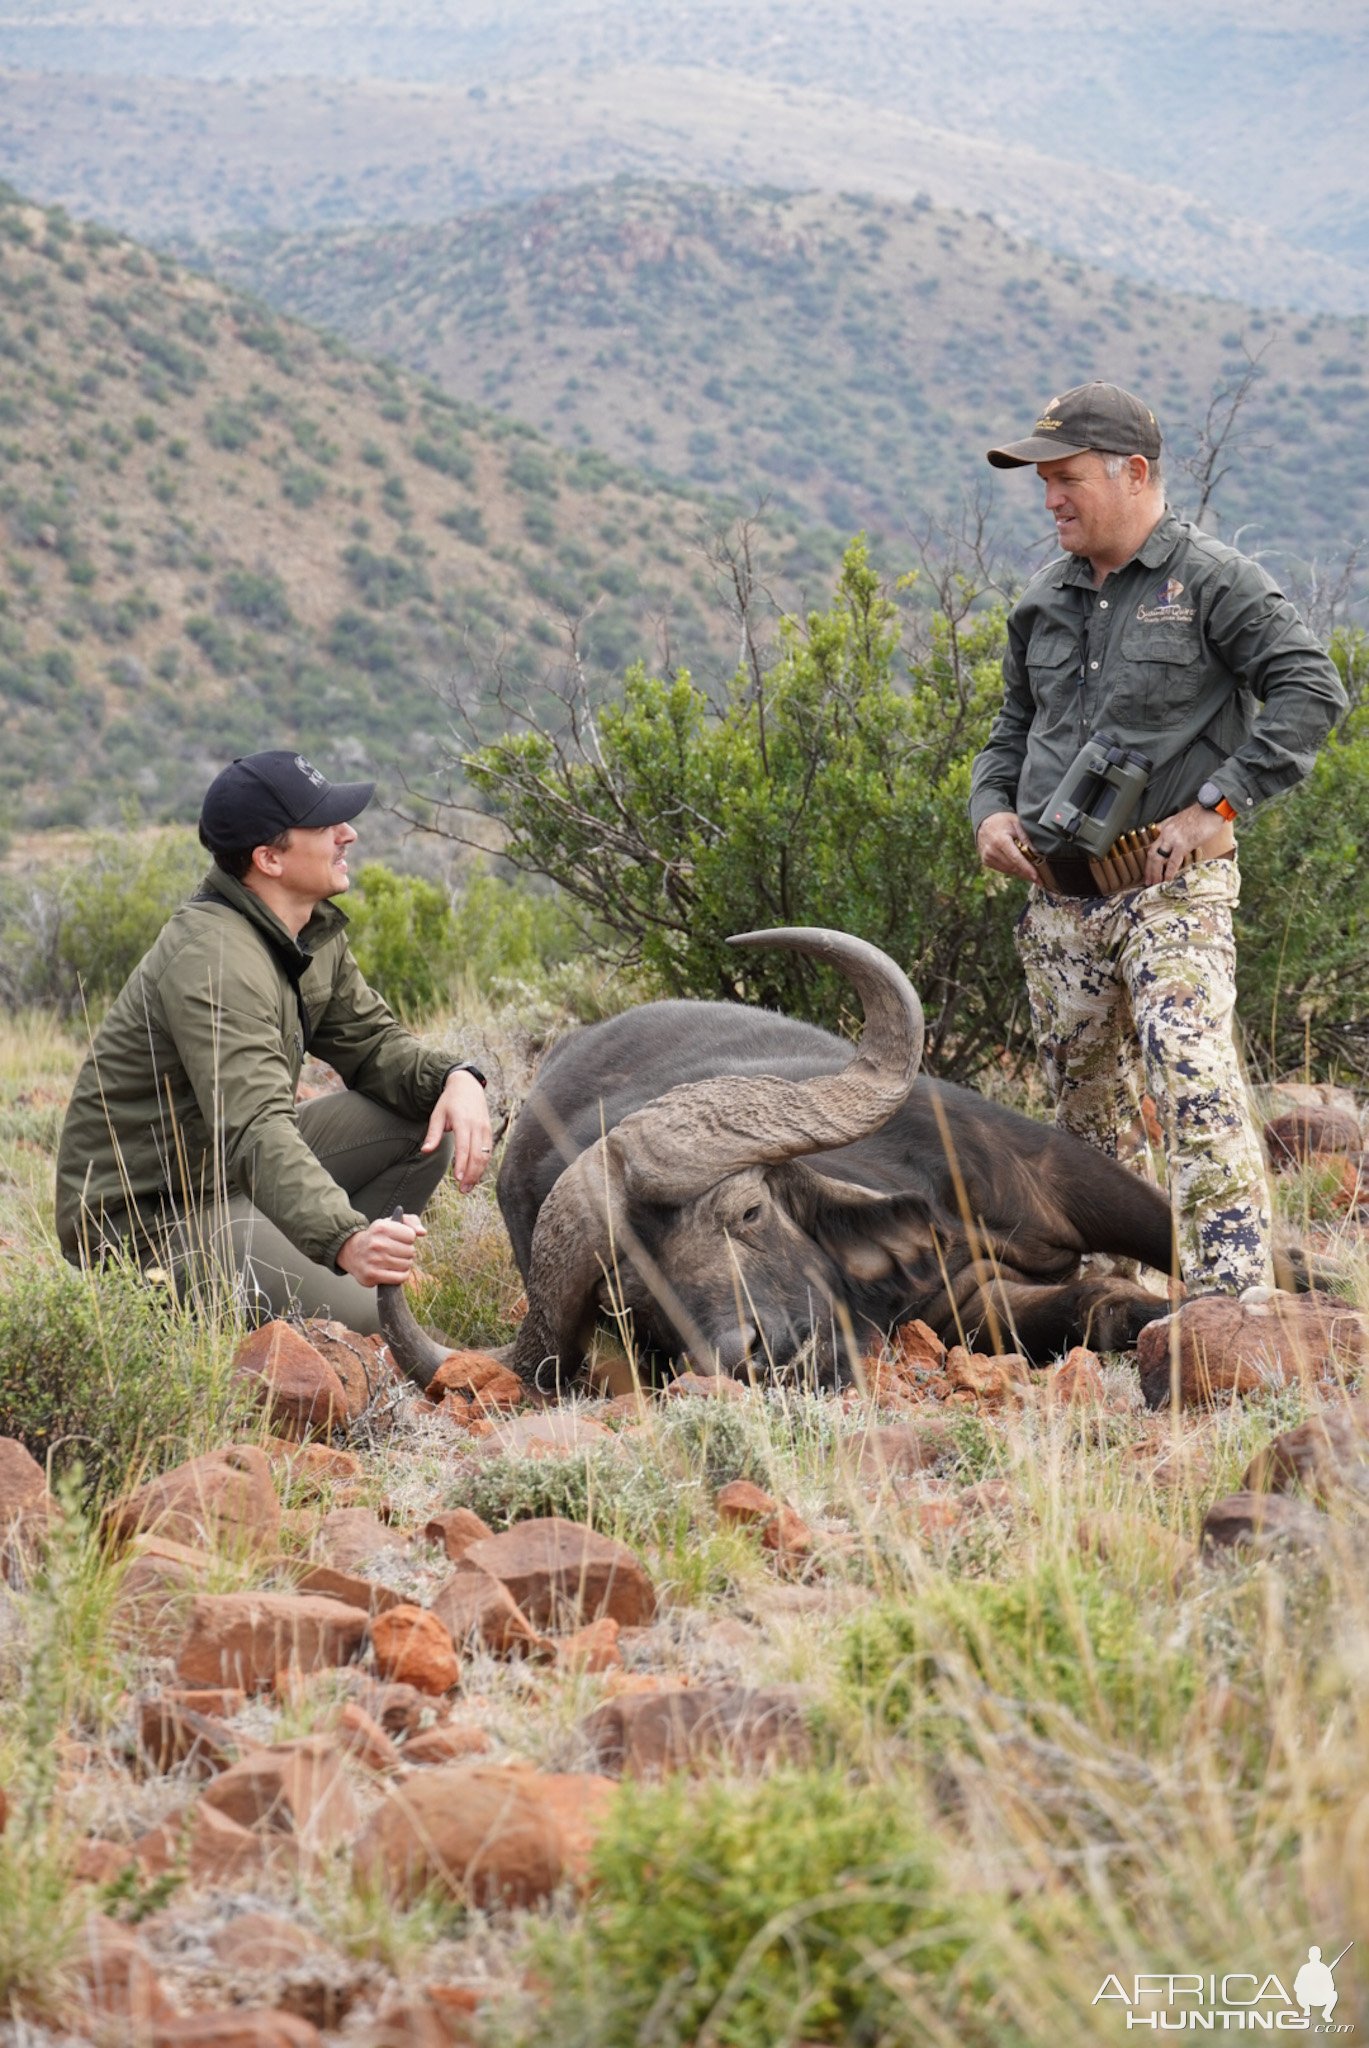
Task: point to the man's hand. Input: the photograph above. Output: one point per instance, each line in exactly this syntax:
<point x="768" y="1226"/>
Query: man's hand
<point x="1187" y="831"/>
<point x="382" y="1254"/>
<point x="461" y="1109"/>
<point x="996" y="840"/>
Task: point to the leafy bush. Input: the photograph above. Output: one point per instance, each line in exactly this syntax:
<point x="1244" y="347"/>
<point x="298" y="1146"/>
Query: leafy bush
<point x="74" y="934"/>
<point x="413" y="943"/>
<point x="829" y="791"/>
<point x="101" y="1369"/>
<point x="1052" y="1639"/>
<point x="1302" y="955"/>
<point x="744" y="1914"/>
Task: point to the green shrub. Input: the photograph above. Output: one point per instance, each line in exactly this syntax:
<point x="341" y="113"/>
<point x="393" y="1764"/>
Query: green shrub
<point x="403" y="935"/>
<point x="745" y="1914"/>
<point x="75" y="935"/>
<point x="834" y="794"/>
<point x="1054" y="1639"/>
<point x="103" y="1370"/>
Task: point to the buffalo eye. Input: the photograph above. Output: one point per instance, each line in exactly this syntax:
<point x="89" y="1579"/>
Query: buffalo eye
<point x="751" y="1215"/>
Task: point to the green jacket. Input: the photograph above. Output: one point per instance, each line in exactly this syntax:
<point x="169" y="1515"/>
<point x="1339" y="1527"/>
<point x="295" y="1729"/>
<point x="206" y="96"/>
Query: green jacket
<point x="1174" y="655"/>
<point x="188" y="1092"/>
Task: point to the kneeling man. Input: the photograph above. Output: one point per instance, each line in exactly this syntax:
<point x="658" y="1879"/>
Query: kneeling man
<point x="183" y="1144"/>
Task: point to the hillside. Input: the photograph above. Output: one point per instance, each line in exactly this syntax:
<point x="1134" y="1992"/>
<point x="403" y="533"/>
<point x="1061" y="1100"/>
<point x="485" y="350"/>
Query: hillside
<point x="222" y="531"/>
<point x="852" y="357"/>
<point x="1218" y="149"/>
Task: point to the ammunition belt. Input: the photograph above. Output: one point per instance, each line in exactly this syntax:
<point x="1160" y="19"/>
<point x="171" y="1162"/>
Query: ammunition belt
<point x="1123" y="867"/>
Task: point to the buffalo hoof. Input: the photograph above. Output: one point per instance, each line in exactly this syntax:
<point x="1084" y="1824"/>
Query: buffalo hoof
<point x="1117" y="1320"/>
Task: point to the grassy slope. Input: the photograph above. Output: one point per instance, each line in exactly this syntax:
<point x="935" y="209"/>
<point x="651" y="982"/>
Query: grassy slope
<point x="220" y="531"/>
<point x="851" y="356"/>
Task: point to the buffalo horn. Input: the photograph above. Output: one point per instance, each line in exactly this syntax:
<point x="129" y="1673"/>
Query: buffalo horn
<point x="412" y="1349"/>
<point x="690" y="1138"/>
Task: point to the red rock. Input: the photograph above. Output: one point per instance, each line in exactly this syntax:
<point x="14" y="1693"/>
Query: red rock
<point x="478" y="1608"/>
<point x="478" y="1378"/>
<point x="362" y="1364"/>
<point x="26" y="1508"/>
<point x="1262" y="1522"/>
<point x="225" y="1498"/>
<point x="916" y="1346"/>
<point x="290" y="1788"/>
<point x="414" y="1647"/>
<point x="937" y="1517"/>
<point x="445" y="1745"/>
<point x="348" y="1587"/>
<point x="365" y="1740"/>
<point x="349" y="1536"/>
<point x="477" y="1830"/>
<point x="742" y="1502"/>
<point x="398" y="1708"/>
<point x="154" y="1592"/>
<point x="914" y="1446"/>
<point x="987" y="1382"/>
<point x="787" y="1534"/>
<point x="264" y="1941"/>
<point x="1078" y="1382"/>
<point x="246" y="1638"/>
<point x="1307" y="1132"/>
<point x="207" y="1846"/>
<point x="580" y="1801"/>
<point x="697" y="1728"/>
<point x="242" y="2027"/>
<point x="706" y="1386"/>
<point x="563" y="1574"/>
<point x="418" y="2019"/>
<point x="170" y="1736"/>
<point x="298" y="1388"/>
<point x="119" y="1983"/>
<point x="548" y="1432"/>
<point x="1326" y="1455"/>
<point x="321" y="1463"/>
<point x="221" y="1700"/>
<point x="456" y="1529"/>
<point x="1219" y="1347"/>
<point x="594" y="1648"/>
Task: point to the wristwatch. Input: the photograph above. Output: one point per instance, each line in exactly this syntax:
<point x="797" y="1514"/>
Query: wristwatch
<point x="1211" y="799"/>
<point x="465" y="1067"/>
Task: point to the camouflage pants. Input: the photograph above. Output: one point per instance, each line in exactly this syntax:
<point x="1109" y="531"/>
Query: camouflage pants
<point x="1153" y="972"/>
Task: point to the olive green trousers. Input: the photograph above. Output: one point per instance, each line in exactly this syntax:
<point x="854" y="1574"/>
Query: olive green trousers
<point x="373" y="1155"/>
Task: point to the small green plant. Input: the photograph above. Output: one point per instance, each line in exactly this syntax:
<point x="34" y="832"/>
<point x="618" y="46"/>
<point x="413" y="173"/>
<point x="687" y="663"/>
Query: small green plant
<point x="743" y="1915"/>
<point x="104" y="1370"/>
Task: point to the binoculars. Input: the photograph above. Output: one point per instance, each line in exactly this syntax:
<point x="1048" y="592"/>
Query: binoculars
<point x="1100" y="794"/>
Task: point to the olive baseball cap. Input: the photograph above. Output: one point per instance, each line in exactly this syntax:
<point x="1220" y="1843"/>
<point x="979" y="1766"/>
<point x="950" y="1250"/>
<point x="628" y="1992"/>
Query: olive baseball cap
<point x="262" y="795"/>
<point x="1097" y="416"/>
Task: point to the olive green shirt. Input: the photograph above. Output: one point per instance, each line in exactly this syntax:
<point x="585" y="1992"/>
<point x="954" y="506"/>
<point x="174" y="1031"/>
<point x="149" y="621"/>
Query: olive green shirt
<point x="1189" y="653"/>
<point x="188" y="1093"/>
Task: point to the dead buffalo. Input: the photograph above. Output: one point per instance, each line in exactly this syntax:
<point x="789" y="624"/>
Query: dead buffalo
<point x="740" y="1190"/>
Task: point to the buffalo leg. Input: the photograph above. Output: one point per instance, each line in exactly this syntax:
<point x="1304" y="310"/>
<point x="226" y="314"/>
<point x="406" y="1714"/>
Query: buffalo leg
<point x="1013" y="1312"/>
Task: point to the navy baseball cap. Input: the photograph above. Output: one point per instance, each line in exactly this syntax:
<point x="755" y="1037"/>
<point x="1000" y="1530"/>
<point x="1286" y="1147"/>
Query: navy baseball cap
<point x="1098" y="416"/>
<point x="262" y="795"/>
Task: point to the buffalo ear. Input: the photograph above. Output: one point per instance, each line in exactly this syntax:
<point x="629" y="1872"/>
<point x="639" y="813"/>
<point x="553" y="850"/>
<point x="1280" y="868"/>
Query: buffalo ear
<point x="866" y="1232"/>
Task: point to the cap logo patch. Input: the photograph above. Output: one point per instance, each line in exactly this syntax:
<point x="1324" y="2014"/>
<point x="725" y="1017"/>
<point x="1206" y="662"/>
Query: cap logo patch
<point x="311" y="773"/>
<point x="1046" y="425"/>
<point x="1166" y="606"/>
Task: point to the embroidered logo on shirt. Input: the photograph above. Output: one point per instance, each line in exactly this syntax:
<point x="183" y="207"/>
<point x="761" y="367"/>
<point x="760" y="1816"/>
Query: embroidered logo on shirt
<point x="1167" y="607"/>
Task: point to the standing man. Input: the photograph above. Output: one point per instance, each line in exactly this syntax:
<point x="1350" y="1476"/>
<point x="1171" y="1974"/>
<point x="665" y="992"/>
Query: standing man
<point x="1152" y="633"/>
<point x="183" y="1145"/>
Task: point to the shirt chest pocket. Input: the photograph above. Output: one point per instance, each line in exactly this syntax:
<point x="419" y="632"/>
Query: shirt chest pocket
<point x="1162" y="674"/>
<point x="1053" y="666"/>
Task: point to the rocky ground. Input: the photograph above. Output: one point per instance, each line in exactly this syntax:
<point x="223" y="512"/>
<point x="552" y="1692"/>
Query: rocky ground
<point x="324" y="1734"/>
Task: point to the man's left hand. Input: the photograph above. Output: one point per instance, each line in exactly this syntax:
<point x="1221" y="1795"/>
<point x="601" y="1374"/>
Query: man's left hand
<point x="462" y="1109"/>
<point x="1187" y="831"/>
